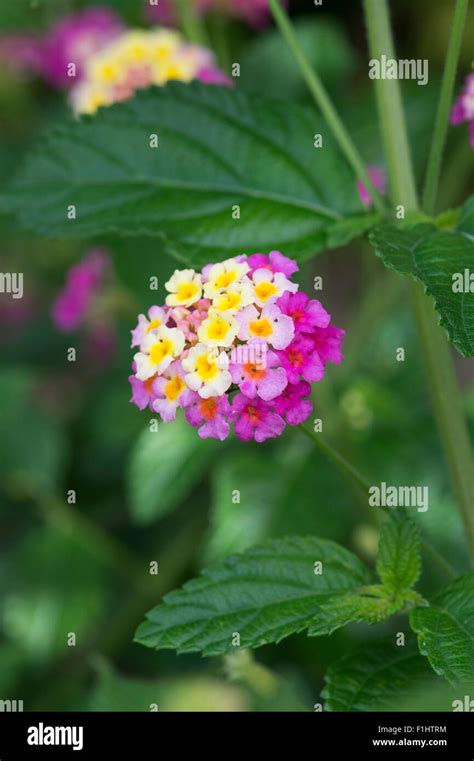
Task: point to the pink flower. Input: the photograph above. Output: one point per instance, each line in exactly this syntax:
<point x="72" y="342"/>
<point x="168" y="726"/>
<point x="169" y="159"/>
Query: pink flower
<point x="275" y="261"/>
<point x="210" y="75"/>
<point x="83" y="281"/>
<point x="73" y="40"/>
<point x="271" y="325"/>
<point x="463" y="110"/>
<point x="255" y="419"/>
<point x="261" y="376"/>
<point x="156" y="316"/>
<point x="291" y="404"/>
<point x="143" y="393"/>
<point x="300" y="360"/>
<point x="328" y="344"/>
<point x="189" y="320"/>
<point x="21" y="52"/>
<point x="378" y="179"/>
<point x="306" y="315"/>
<point x="210" y="414"/>
<point x="171" y="392"/>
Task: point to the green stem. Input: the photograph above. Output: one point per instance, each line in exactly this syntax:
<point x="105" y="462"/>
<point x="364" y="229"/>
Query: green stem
<point x="444" y="107"/>
<point x="191" y="24"/>
<point x="362" y="483"/>
<point x="441" y="375"/>
<point x="324" y="103"/>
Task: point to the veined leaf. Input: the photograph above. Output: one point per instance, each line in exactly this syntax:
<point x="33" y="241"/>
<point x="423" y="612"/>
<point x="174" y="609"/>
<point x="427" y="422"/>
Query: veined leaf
<point x="445" y="630"/>
<point x="376" y="677"/>
<point x="439" y="260"/>
<point x="232" y="174"/>
<point x="399" y="559"/>
<point x="262" y="595"/>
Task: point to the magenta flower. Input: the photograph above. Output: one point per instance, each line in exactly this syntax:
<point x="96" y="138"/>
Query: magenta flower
<point x="328" y="344"/>
<point x="262" y="376"/>
<point x="275" y="261"/>
<point x="255" y="419"/>
<point x="301" y="361"/>
<point x="463" y="110"/>
<point x="306" y="314"/>
<point x="143" y="394"/>
<point x="73" y="40"/>
<point x="83" y="282"/>
<point x="210" y="75"/>
<point x="378" y="179"/>
<point x="291" y="404"/>
<point x="210" y="414"/>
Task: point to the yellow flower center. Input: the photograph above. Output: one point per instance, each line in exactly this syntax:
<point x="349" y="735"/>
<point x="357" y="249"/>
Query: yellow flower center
<point x="261" y="328"/>
<point x="153" y="324"/>
<point x="265" y="290"/>
<point x="160" y="351"/>
<point x="173" y="72"/>
<point x="186" y="291"/>
<point x="228" y="301"/>
<point x="205" y="369"/>
<point x="217" y="329"/>
<point x="226" y="279"/>
<point x="174" y="388"/>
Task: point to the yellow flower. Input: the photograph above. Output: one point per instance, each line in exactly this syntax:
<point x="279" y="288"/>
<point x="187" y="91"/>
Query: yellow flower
<point x="218" y="329"/>
<point x="185" y="288"/>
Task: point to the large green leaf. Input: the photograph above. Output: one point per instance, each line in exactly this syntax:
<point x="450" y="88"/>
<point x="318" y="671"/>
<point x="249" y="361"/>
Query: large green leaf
<point x="446" y="630"/>
<point x="164" y="467"/>
<point x="376" y="677"/>
<point x="263" y="595"/>
<point x="434" y="258"/>
<point x="218" y="149"/>
<point x="399" y="560"/>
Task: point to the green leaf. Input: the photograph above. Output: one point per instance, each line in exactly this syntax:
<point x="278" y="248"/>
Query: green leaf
<point x="466" y="221"/>
<point x="375" y="678"/>
<point x="268" y="66"/>
<point x="264" y="594"/>
<point x="436" y="259"/>
<point x="445" y="630"/>
<point x="164" y="466"/>
<point x="218" y="148"/>
<point x="348" y="609"/>
<point x="32" y="444"/>
<point x="399" y="559"/>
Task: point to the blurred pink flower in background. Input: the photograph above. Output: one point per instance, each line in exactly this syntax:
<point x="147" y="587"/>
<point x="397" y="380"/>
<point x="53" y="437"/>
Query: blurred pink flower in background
<point x="71" y="40"/>
<point x="379" y="180"/>
<point x="256" y="13"/>
<point x="83" y="282"/>
<point x="463" y="110"/>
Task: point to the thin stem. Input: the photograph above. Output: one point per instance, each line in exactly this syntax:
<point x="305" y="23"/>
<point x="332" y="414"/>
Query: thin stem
<point x="444" y="107"/>
<point x="324" y="103"/>
<point x="445" y="394"/>
<point x="191" y="24"/>
<point x="351" y="472"/>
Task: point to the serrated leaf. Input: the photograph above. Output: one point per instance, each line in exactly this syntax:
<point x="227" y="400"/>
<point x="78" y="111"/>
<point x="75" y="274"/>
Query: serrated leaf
<point x="445" y="630"/>
<point x="164" y="466"/>
<point x="348" y="609"/>
<point x="399" y="559"/>
<point x="435" y="258"/>
<point x="264" y="594"/>
<point x="375" y="677"/>
<point x="218" y="148"/>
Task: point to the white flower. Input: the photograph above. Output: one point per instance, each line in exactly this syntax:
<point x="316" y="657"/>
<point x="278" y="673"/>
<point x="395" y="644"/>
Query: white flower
<point x="221" y="276"/>
<point x="185" y="288"/>
<point x="159" y="348"/>
<point x="207" y="371"/>
<point x="269" y="286"/>
<point x="218" y="329"/>
<point x="234" y="298"/>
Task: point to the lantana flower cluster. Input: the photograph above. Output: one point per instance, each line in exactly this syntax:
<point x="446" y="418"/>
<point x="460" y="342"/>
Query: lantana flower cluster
<point x="140" y="58"/>
<point x="237" y="343"/>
